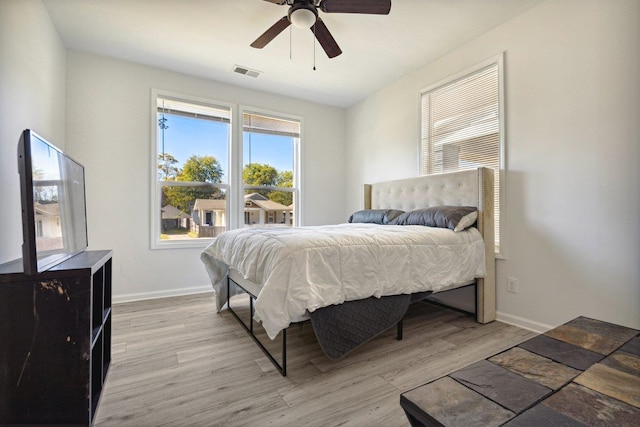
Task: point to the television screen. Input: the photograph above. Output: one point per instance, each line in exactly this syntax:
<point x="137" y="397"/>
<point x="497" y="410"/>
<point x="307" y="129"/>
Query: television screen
<point x="53" y="204"/>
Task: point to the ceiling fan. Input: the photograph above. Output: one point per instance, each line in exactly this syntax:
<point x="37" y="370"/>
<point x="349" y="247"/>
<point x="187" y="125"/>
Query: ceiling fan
<point x="304" y="14"/>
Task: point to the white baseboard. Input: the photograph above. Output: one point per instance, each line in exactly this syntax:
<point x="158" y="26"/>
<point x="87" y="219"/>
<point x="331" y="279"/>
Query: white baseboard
<point x="160" y="294"/>
<point x="502" y="317"/>
<point x="523" y="323"/>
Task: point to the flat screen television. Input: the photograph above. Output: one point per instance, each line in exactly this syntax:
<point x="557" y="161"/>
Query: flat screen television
<point x="52" y="187"/>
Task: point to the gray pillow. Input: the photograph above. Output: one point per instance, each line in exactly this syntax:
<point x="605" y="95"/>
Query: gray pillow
<point x="457" y="218"/>
<point x="375" y="216"/>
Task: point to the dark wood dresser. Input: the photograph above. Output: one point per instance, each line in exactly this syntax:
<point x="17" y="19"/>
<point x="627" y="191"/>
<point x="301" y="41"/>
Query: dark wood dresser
<point x="55" y="341"/>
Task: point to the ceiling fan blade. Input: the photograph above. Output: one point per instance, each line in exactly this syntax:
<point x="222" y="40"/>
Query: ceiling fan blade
<point x="271" y="33"/>
<point x="277" y="1"/>
<point x="374" y="7"/>
<point x="325" y="39"/>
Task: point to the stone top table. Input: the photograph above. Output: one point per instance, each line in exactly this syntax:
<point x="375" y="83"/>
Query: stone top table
<point x="583" y="373"/>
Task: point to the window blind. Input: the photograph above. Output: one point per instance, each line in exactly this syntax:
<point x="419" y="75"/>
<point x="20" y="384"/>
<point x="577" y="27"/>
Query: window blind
<point x="193" y="110"/>
<point x="257" y="123"/>
<point x="460" y="126"/>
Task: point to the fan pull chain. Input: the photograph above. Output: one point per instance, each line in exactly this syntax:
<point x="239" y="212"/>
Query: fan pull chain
<point x="314" y="46"/>
<point x="290" y="39"/>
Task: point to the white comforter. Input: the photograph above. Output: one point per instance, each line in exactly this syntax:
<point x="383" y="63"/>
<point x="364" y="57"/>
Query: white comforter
<point x="306" y="268"/>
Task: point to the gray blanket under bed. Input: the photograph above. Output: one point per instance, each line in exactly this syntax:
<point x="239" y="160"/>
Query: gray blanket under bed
<point x="341" y="328"/>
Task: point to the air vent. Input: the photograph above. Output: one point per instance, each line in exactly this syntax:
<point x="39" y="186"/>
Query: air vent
<point x="246" y="71"/>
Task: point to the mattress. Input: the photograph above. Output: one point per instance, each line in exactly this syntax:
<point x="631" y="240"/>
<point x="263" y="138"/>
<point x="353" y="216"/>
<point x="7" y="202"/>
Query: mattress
<point x="299" y="270"/>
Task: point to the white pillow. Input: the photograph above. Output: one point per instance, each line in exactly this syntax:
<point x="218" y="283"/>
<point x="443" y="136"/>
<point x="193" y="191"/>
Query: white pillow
<point x="466" y="221"/>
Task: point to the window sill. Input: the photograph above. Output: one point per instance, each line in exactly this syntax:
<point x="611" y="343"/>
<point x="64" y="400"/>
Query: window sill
<point x="181" y="244"/>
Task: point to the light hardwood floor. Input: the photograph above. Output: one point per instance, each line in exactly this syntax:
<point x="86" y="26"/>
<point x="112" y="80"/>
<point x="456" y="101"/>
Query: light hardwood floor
<point x="176" y="362"/>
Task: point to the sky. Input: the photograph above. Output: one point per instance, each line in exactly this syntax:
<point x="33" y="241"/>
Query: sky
<point x="185" y="137"/>
<point x="45" y="160"/>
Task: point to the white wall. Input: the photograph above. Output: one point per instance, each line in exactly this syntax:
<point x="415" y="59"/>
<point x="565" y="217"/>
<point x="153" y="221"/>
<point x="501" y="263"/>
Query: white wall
<point x="32" y="95"/>
<point x="572" y="103"/>
<point x="573" y="154"/>
<point x="108" y="130"/>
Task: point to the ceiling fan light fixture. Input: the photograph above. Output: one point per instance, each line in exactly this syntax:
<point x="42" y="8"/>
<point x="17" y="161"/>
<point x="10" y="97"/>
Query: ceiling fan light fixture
<point x="303" y="18"/>
<point x="304" y="14"/>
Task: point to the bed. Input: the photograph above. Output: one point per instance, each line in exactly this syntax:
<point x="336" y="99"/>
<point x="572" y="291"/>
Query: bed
<point x="355" y="280"/>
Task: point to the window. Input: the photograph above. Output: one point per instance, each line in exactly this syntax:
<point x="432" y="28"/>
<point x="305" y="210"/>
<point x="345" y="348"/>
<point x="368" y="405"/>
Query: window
<point x="210" y="175"/>
<point x="462" y="127"/>
<point x="270" y="169"/>
<point x="191" y="167"/>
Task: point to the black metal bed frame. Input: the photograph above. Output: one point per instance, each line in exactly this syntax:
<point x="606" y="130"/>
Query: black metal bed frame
<point x="282" y="368"/>
<point x="249" y="329"/>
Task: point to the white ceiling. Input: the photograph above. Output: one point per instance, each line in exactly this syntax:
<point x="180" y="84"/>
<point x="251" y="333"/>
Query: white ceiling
<point x="206" y="38"/>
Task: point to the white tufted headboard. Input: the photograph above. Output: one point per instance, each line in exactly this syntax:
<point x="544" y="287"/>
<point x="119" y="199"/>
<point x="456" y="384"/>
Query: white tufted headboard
<point x="465" y="188"/>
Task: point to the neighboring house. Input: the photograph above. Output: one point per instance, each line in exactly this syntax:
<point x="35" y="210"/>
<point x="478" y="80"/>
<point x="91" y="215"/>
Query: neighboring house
<point x="290" y="207"/>
<point x="173" y="218"/>
<point x="258" y="210"/>
<point x="209" y="215"/>
<point x="48" y="229"/>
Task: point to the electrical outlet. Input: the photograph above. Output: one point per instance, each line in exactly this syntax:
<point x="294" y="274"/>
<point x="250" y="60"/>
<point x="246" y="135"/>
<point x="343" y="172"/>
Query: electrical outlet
<point x="512" y="285"/>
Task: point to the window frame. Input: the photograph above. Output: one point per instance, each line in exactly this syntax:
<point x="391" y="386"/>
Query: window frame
<point x="297" y="158"/>
<point x="156" y="186"/>
<point x="497" y="60"/>
<point x="234" y="187"/>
